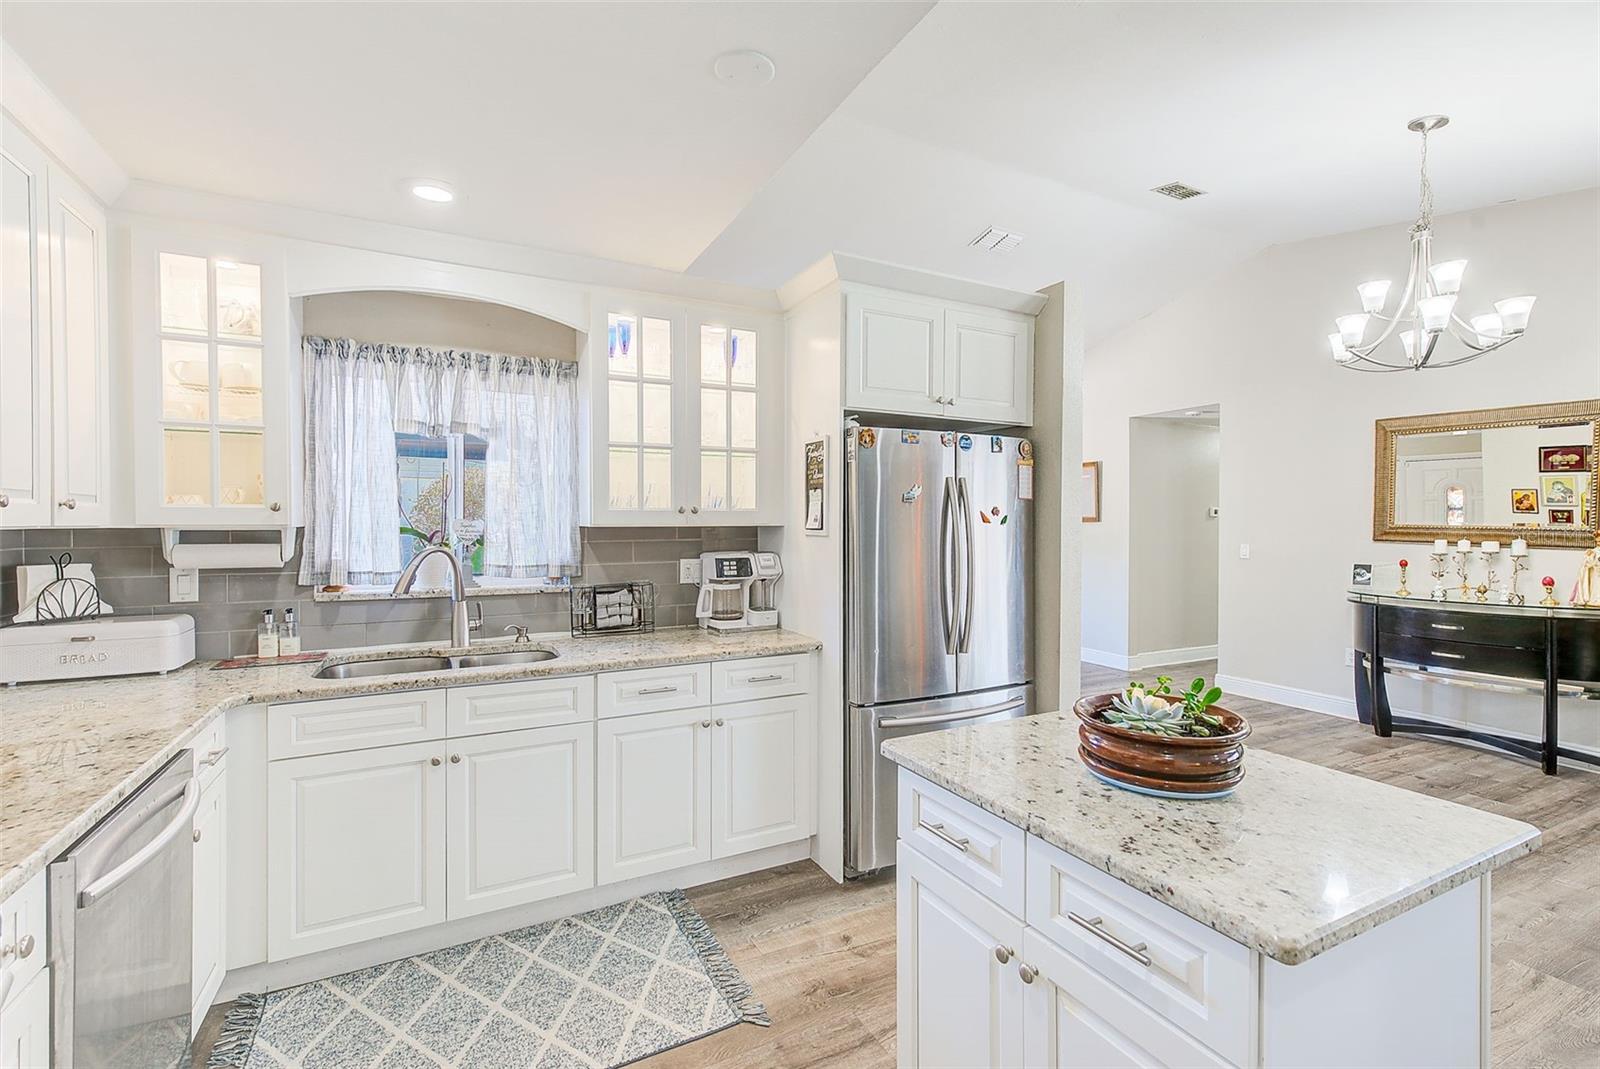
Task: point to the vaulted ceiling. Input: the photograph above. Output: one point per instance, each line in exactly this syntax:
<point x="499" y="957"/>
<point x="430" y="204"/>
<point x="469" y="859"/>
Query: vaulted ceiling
<point x="893" y="131"/>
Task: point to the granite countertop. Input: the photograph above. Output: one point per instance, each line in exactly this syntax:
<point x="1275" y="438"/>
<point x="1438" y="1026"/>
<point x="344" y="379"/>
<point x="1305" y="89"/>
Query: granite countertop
<point x="69" y="752"/>
<point x="1298" y="860"/>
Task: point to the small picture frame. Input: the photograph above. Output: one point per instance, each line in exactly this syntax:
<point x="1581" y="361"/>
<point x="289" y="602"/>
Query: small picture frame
<point x="1558" y="490"/>
<point x="1091" y="491"/>
<point x="815" y="484"/>
<point x="1361" y="575"/>
<point x="1562" y="517"/>
<point x="1525" y="502"/>
<point x="1563" y="458"/>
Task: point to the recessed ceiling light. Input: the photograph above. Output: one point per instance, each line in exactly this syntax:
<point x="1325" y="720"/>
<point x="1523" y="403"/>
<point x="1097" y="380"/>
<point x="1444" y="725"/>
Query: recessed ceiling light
<point x="745" y="69"/>
<point x="431" y="191"/>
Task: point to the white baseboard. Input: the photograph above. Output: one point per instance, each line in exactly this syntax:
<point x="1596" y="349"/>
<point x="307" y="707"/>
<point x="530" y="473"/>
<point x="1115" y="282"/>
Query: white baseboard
<point x="1294" y="697"/>
<point x="1138" y="662"/>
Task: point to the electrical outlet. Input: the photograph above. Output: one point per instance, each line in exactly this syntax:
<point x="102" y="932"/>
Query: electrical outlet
<point x="183" y="584"/>
<point x="1244" y="550"/>
<point x="1349" y="657"/>
<point x="689" y="570"/>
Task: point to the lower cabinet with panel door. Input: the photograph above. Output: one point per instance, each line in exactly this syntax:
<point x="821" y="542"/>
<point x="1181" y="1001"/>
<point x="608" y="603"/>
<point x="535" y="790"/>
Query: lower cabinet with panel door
<point x="208" y="942"/>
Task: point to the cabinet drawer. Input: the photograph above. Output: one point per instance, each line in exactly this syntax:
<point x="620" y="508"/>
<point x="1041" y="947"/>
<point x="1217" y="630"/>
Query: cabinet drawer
<point x="1494" y="629"/>
<point x="977" y="847"/>
<point x="759" y="677"/>
<point x="1196" y="978"/>
<point x="22" y="928"/>
<point x="532" y="703"/>
<point x="1465" y="656"/>
<point x="210" y="748"/>
<point x="300" y="729"/>
<point x="653" y="690"/>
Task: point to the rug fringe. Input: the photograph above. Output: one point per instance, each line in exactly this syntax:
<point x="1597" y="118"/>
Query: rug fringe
<point x="232" y="1048"/>
<point x="730" y="983"/>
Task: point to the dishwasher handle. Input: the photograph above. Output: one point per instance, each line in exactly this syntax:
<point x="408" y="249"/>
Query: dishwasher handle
<point x="104" y="885"/>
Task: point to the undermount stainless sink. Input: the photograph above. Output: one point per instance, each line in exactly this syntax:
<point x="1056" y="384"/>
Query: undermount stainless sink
<point x="390" y="666"/>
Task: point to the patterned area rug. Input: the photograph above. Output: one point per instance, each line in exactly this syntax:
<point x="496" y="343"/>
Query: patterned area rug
<point x="598" y="990"/>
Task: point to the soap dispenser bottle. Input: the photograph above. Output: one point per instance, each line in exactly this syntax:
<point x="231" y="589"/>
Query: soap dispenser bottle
<point x="266" y="636"/>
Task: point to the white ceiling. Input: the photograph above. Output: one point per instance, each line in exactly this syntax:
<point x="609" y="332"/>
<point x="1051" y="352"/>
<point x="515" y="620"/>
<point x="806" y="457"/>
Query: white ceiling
<point x="596" y="128"/>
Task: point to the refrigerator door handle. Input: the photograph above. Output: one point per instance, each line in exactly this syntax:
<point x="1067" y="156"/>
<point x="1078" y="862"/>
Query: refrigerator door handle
<point x="949" y="718"/>
<point x="964" y="642"/>
<point x="946" y="530"/>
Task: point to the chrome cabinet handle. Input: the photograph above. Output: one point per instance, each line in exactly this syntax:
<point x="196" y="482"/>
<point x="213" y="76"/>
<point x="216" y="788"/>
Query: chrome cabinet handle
<point x="1003" y="954"/>
<point x="705" y="723"/>
<point x="19" y="950"/>
<point x="937" y="830"/>
<point x="275" y="507"/>
<point x="655" y="690"/>
<point x="213" y="756"/>
<point x="1448" y="627"/>
<point x="1028" y="973"/>
<point x="764" y="679"/>
<point x="1094" y="925"/>
<point x="69" y="503"/>
<point x="455" y="759"/>
<point x="1448" y="656"/>
<point x="435" y="762"/>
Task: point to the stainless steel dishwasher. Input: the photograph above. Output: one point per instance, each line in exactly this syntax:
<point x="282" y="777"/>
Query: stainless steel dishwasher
<point x="120" y="903"/>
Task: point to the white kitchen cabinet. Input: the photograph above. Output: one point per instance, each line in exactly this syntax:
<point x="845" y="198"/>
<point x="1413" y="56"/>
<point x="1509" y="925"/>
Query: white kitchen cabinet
<point x="653" y="777"/>
<point x="761" y="781"/>
<point x="209" y="933"/>
<point x="959" y="994"/>
<point x="55" y="426"/>
<point x="355" y="846"/>
<point x="25" y="1026"/>
<point x="215" y="425"/>
<point x="918" y="356"/>
<point x="520" y="824"/>
<point x="685" y="414"/>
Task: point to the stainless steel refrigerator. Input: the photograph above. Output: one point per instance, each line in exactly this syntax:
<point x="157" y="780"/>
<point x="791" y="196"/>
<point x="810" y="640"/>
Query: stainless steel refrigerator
<point x="938" y="603"/>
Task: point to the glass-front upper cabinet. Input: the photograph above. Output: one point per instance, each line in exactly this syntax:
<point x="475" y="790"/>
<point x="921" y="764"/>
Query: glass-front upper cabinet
<point x="213" y="425"/>
<point x="685" y="415"/>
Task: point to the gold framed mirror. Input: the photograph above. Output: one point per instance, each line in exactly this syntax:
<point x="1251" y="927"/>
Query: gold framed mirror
<point x="1529" y="471"/>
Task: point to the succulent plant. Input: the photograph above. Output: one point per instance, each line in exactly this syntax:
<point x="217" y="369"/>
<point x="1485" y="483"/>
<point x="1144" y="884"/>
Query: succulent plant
<point x="1148" y="709"/>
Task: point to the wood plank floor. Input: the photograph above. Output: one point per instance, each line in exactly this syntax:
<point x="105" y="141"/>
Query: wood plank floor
<point x="822" y="956"/>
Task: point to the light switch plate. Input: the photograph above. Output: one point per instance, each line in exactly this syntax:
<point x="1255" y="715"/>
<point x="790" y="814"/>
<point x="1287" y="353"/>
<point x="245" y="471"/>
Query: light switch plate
<point x="183" y="584"/>
<point x="1244" y="550"/>
<point x="689" y="570"/>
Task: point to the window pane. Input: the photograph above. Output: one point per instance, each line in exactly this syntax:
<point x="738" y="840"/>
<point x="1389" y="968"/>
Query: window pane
<point x="624" y="478"/>
<point x="742" y="491"/>
<point x="713" y="359"/>
<point x="470" y="512"/>
<point x="713" y="481"/>
<point x="183" y="293"/>
<point x="239" y="383"/>
<point x="242" y="470"/>
<point x="742" y="357"/>
<point x="238" y="299"/>
<point x="658" y="348"/>
<point x="622" y="357"/>
<point x="421" y="464"/>
<point x="623" y="416"/>
<point x="714" y="417"/>
<point x="744" y="421"/>
<point x="657" y="479"/>
<point x="186" y="461"/>
<point x="185" y="380"/>
<point x="657" y="413"/>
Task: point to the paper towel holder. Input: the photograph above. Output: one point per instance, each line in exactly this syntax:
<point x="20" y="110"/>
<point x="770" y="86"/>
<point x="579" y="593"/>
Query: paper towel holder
<point x="247" y="557"/>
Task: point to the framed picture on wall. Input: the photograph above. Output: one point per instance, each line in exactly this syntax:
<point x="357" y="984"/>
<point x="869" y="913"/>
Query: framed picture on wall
<point x="815" y="480"/>
<point x="1559" y="458"/>
<point x="1562" y="517"/>
<point x="1525" y="501"/>
<point x="1559" y="489"/>
<point x="1091" y="491"/>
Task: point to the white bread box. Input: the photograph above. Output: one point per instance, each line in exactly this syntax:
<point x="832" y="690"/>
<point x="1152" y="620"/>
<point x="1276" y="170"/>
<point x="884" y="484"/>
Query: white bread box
<point x="88" y="649"/>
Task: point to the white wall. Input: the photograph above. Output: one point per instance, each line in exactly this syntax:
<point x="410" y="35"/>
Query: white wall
<point x="449" y="322"/>
<point x="1173" y="546"/>
<point x="1297" y="436"/>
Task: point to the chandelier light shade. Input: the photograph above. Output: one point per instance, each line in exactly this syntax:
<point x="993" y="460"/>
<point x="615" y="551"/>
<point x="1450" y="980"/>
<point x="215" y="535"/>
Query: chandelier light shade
<point x="1426" y="308"/>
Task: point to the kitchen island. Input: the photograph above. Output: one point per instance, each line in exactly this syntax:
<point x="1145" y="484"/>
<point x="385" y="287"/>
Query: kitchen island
<point x="1312" y="918"/>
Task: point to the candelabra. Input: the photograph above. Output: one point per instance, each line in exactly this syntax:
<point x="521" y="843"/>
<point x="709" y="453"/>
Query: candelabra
<point x="1460" y="559"/>
<point x="1510" y="595"/>
<point x="1436" y="569"/>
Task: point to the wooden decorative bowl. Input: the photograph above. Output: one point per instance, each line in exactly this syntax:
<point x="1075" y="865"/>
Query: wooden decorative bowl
<point x="1158" y="764"/>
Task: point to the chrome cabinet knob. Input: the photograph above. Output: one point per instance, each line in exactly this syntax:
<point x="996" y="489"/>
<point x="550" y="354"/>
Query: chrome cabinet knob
<point x="681" y="510"/>
<point x="5" y="501"/>
<point x="435" y="762"/>
<point x="1003" y="954"/>
<point x="1027" y="972"/>
<point x="455" y="759"/>
<point x="275" y="507"/>
<point x="720" y="721"/>
<point x="197" y="835"/>
<point x="705" y="723"/>
<point x="695" y="509"/>
<point x="69" y="503"/>
<point x="24" y="946"/>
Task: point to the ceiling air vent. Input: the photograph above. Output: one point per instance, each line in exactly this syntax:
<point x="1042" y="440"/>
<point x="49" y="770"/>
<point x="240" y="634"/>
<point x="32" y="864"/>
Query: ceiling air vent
<point x="994" y="239"/>
<point x="1178" y="191"/>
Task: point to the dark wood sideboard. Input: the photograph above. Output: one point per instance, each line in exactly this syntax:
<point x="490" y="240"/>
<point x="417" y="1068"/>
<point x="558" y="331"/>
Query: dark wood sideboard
<point x="1534" y="646"/>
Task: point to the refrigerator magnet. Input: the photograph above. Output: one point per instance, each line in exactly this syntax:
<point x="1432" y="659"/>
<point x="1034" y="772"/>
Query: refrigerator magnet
<point x="913" y="492"/>
<point x="909" y="437"/>
<point x="1025" y="449"/>
<point x="947" y="439"/>
<point x="965" y="442"/>
<point x="866" y="437"/>
<point x="1025" y="479"/>
<point x="996" y="444"/>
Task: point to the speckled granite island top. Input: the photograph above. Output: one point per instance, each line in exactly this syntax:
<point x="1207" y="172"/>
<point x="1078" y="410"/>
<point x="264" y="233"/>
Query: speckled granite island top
<point x="69" y="752"/>
<point x="1300" y="859"/>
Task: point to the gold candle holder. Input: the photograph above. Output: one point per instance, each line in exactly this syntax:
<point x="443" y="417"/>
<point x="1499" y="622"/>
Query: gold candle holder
<point x="1549" y="592"/>
<point x="1461" y="572"/>
<point x="1510" y="595"/>
<point x="1403" y="592"/>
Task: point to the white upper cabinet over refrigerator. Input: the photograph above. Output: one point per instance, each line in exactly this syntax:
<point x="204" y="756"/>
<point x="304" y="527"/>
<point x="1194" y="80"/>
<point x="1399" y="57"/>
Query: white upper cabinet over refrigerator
<point x="214" y="426"/>
<point x="55" y="444"/>
<point x="685" y="414"/>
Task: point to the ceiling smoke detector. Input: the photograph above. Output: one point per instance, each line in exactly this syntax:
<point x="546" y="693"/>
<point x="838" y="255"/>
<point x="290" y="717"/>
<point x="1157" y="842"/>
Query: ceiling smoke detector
<point x="993" y="239"/>
<point x="1178" y="191"/>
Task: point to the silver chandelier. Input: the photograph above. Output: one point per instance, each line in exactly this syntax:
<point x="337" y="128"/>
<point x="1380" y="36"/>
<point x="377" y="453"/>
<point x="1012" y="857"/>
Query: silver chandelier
<point x="1427" y="305"/>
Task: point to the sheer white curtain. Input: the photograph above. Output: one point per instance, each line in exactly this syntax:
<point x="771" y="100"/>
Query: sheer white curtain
<point x="358" y="395"/>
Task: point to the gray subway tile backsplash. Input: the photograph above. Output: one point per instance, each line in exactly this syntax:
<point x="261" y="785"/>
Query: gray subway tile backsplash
<point x="132" y="576"/>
